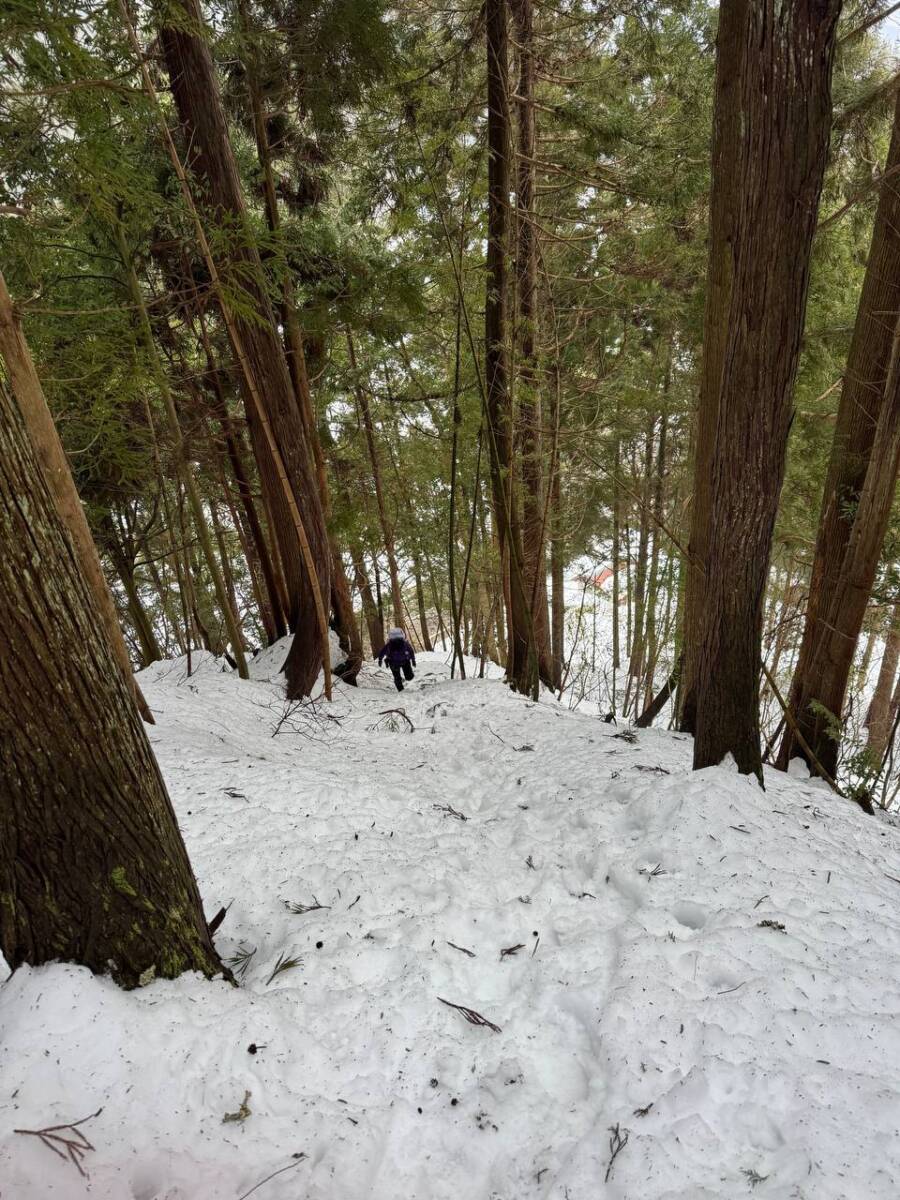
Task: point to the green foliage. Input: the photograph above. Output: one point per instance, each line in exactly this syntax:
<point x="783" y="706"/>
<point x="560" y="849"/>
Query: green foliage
<point x="374" y="118"/>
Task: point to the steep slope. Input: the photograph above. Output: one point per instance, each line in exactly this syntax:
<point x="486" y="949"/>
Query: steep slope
<point x="711" y="969"/>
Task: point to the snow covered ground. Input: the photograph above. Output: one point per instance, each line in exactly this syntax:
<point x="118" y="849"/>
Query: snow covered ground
<point x="710" y="969"/>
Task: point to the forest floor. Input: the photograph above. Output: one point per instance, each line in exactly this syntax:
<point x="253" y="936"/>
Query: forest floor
<point x="693" y="985"/>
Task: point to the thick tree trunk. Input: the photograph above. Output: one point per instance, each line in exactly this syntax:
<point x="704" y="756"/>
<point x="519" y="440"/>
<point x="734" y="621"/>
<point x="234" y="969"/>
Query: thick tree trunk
<point x="29" y="395"/>
<point x="529" y="420"/>
<point x="290" y="485"/>
<point x="521" y="663"/>
<point x="863" y="397"/>
<point x="725" y="201"/>
<point x="92" y="866"/>
<point x="341" y="603"/>
<point x="783" y="91"/>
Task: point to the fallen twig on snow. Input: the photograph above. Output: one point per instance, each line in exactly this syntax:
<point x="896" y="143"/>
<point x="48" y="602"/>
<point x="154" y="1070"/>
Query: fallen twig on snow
<point x="242" y="1113"/>
<point x="753" y="1177"/>
<point x="76" y="1146"/>
<point x="473" y="1017"/>
<point x="298" y="1159"/>
<point x="451" y="812"/>
<point x="511" y="950"/>
<point x="462" y="949"/>
<point x="298" y="908"/>
<point x="725" y="991"/>
<point x="241" y="959"/>
<point x="617" y="1144"/>
<point x="283" y="964"/>
<point x="399" y="712"/>
<point x="652" y="872"/>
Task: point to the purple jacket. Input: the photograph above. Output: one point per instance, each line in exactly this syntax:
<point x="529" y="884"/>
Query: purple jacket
<point x="397" y="652"/>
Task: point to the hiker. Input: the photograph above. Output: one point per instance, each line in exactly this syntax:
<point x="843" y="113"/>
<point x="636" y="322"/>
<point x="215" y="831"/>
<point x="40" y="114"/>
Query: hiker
<point x="400" y="657"/>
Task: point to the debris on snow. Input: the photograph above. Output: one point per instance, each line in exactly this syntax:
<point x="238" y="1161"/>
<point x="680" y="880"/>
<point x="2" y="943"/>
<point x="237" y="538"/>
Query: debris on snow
<point x="653" y="978"/>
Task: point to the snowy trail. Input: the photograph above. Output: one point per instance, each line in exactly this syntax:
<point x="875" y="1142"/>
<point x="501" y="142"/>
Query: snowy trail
<point x="739" y="1058"/>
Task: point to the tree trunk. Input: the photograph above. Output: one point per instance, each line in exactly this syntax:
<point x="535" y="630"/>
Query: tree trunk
<point x="521" y="663"/>
<point x="557" y="545"/>
<point x="387" y="529"/>
<point x="529" y="421"/>
<point x="92" y="866"/>
<point x="639" y="641"/>
<point x="374" y="622"/>
<point x="725" y="200"/>
<point x="863" y="396"/>
<point x="456" y="421"/>
<point x="146" y="636"/>
<point x="282" y="453"/>
<point x="651" y="647"/>
<point x="616" y="566"/>
<point x="783" y="89"/>
<point x="843" y="610"/>
<point x="182" y="465"/>
<point x="272" y="611"/>
<point x="880" y="717"/>
<point x="341" y="603"/>
<point x="420" y="602"/>
<point x="868" y="650"/>
<point x="29" y="395"/>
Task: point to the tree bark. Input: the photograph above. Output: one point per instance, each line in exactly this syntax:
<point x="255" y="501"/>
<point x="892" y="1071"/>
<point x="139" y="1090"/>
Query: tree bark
<point x="341" y="603"/>
<point x="843" y="611"/>
<point x="639" y="641"/>
<point x="783" y="91"/>
<point x="725" y="199"/>
<point x="272" y="608"/>
<point x="651" y="640"/>
<point x="521" y="662"/>
<point x="290" y="485"/>
<point x="92" y="866"/>
<point x="557" y="545"/>
<point x="863" y="396"/>
<point x="29" y="395"/>
<point x="529" y="420"/>
<point x="374" y="622"/>
<point x="880" y="717"/>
